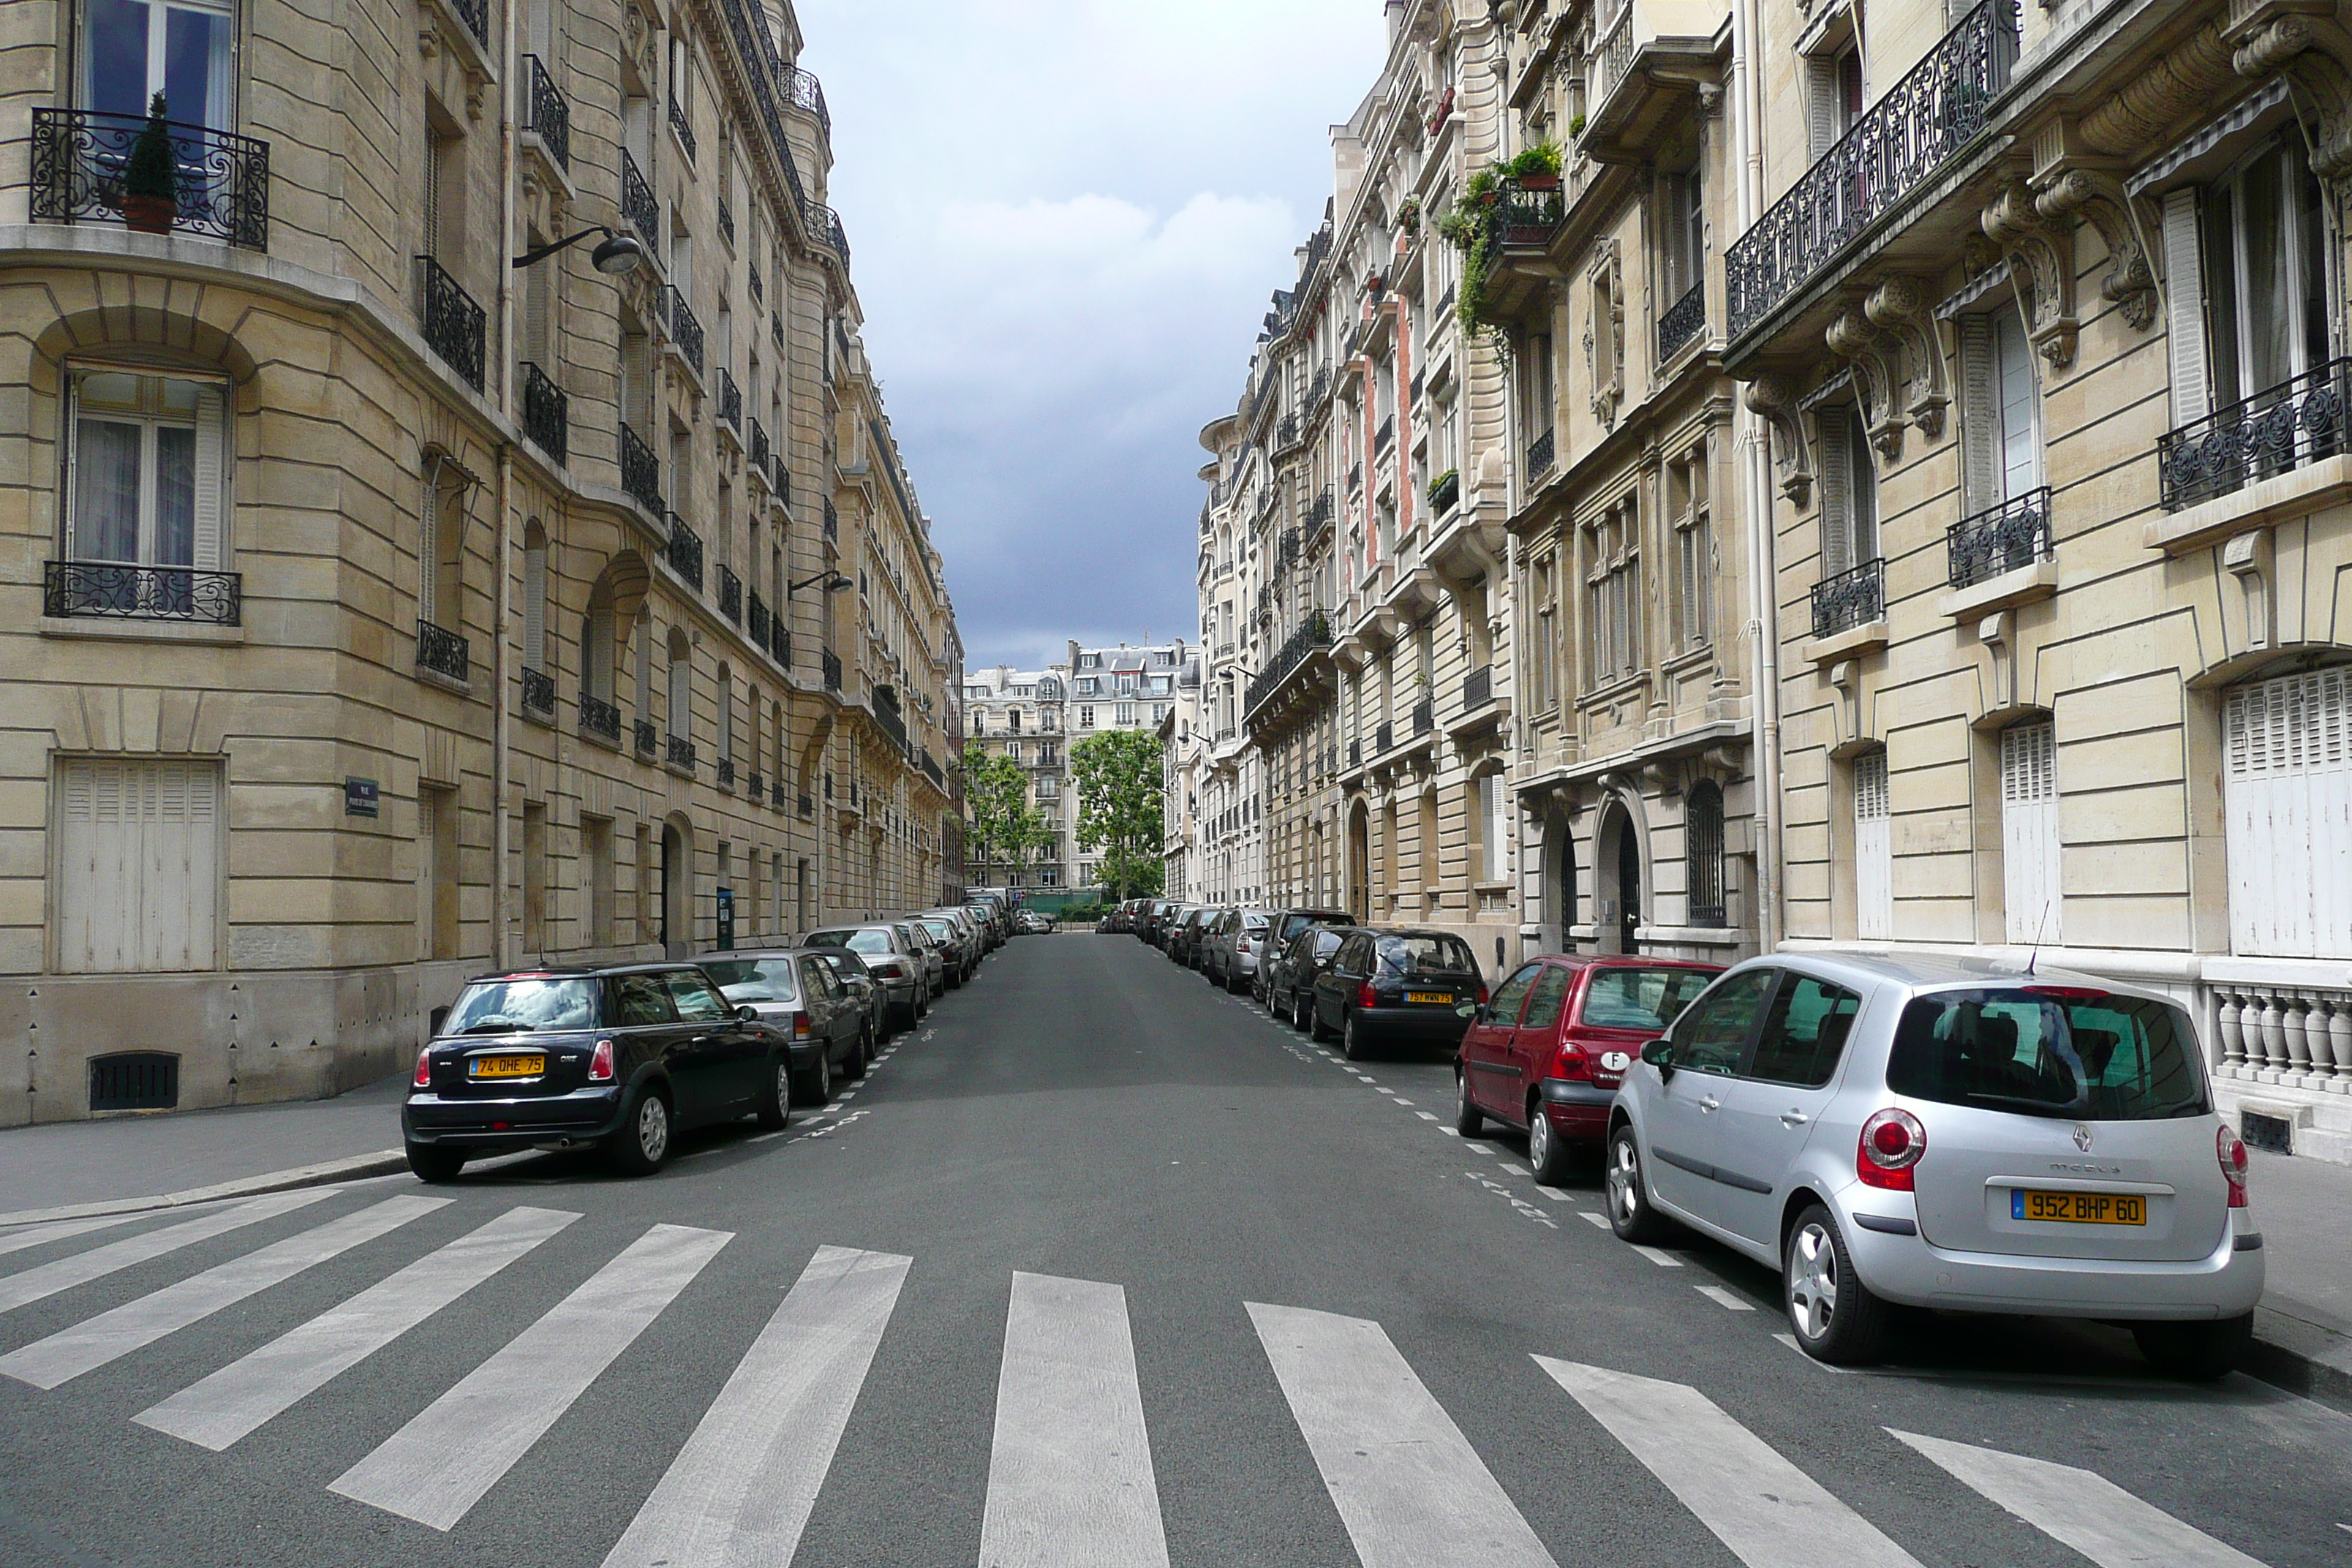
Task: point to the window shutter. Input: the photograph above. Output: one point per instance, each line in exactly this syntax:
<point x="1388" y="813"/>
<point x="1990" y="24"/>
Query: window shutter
<point x="1874" y="859"/>
<point x="211" y="478"/>
<point x="539" y="313"/>
<point x="1822" y="89"/>
<point x="1979" y="415"/>
<point x="2029" y="839"/>
<point x="1837" y="505"/>
<point x="2288" y="802"/>
<point x="534" y="608"/>
<point x="2184" y="308"/>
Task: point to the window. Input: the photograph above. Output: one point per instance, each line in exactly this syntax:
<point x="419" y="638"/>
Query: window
<point x="1684" y="236"/>
<point x="1535" y="389"/>
<point x="1686" y="506"/>
<point x="1504" y="1010"/>
<point x="1712" y="1037"/>
<point x="2061" y="1052"/>
<point x="1613" y="587"/>
<point x="2028" y="831"/>
<point x="147" y="476"/>
<point x="1545" y="673"/>
<point x="441" y="547"/>
<point x="1805" y="1033"/>
<point x="596" y="877"/>
<point x="1650" y="999"/>
<point x="1849" y="499"/>
<point x="1999" y="436"/>
<point x="1494" y="826"/>
<point x="139" y="865"/>
<point x="1703" y="855"/>
<point x="1125" y="714"/>
<point x="1834" y="92"/>
<point x="1874" y="850"/>
<point x="1550" y="997"/>
<point x="181" y="48"/>
<point x="2265" y="272"/>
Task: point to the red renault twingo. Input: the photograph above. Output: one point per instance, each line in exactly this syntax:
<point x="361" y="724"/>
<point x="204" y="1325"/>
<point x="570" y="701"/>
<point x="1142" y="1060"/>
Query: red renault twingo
<point x="1548" y="1053"/>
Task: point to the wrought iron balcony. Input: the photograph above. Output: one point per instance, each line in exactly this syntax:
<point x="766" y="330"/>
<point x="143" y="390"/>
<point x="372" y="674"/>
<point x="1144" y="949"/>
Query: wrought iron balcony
<point x="825" y="228"/>
<point x="1683" y="321"/>
<point x="80" y="157"/>
<point x="731" y="594"/>
<point x="684" y="552"/>
<point x="725" y="771"/>
<point x="476" y="16"/>
<point x="778" y="796"/>
<point x="2272" y="432"/>
<point x="1417" y="380"/>
<point x="95" y="589"/>
<point x="639" y="210"/>
<point x="1479" y="688"/>
<point x="1384" y="738"/>
<point x="648" y="739"/>
<point x="808" y="805"/>
<point x="1999" y="539"/>
<point x="730" y="400"/>
<point x="1529" y="211"/>
<point x="454" y="326"/>
<point x="1540" y="456"/>
<point x="894" y="724"/>
<point x="932" y="770"/>
<point x="1425" y="716"/>
<point x="538" y="693"/>
<point x="442" y="652"/>
<point x="755" y="788"/>
<point x="805" y="93"/>
<point x="600" y="719"/>
<point x="1319" y="519"/>
<point x="546" y="413"/>
<point x="1896" y="146"/>
<point x="679" y="123"/>
<point x="1313" y="634"/>
<point x="685" y="328"/>
<point x="1615" y="55"/>
<point x="549" y="112"/>
<point x="726" y="223"/>
<point x="759" y="451"/>
<point x="681" y="753"/>
<point x="751" y="280"/>
<point x="1286" y="431"/>
<point x="832" y="670"/>
<point x="1445" y="492"/>
<point x="1386" y="436"/>
<point x="1356" y="479"/>
<point x="832" y="519"/>
<point x="640" y="471"/>
<point x="1355" y="754"/>
<point x="781" y="640"/>
<point x="1850" y="599"/>
<point x="757" y="624"/>
<point x="776" y="329"/>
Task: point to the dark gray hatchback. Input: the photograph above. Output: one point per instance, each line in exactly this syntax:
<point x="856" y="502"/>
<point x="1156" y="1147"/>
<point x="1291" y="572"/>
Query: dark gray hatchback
<point x="619" y="1059"/>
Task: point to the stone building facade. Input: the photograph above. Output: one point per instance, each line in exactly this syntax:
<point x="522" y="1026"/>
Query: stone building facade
<point x="387" y="610"/>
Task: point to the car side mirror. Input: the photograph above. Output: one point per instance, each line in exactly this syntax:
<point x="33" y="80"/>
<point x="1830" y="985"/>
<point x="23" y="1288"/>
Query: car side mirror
<point x="748" y="1013"/>
<point x="1660" y="1054"/>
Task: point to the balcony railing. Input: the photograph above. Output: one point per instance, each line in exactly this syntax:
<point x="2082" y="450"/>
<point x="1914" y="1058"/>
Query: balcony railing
<point x="1286" y="431"/>
<point x="832" y="519"/>
<point x="549" y="112"/>
<point x="780" y="639"/>
<point x="751" y="282"/>
<point x="755" y="788"/>
<point x="832" y="670"/>
<point x="546" y="413"/>
<point x="2272" y="432"/>
<point x="759" y="452"/>
<point x="685" y="329"/>
<point x="1386" y="436"/>
<point x="1893" y="149"/>
<point x="1529" y="211"/>
<point x="87" y="588"/>
<point x="1850" y="599"/>
<point x="730" y="400"/>
<point x="778" y="796"/>
<point x="679" y="123"/>
<point x="442" y="652"/>
<point x="1479" y="688"/>
<point x="894" y="724"/>
<point x="684" y="552"/>
<point x="1615" y="53"/>
<point x="726" y="223"/>
<point x="476" y="16"/>
<point x="1384" y="738"/>
<point x="1319" y="520"/>
<point x="825" y="228"/>
<point x="222" y="180"/>
<point x="757" y="624"/>
<point x="648" y="740"/>
<point x="1355" y="755"/>
<point x="1684" y="320"/>
<point x="2001" y="539"/>
<point x="600" y="719"/>
<point x="538" y="693"/>
<point x="725" y="771"/>
<point x="452" y="323"/>
<point x="731" y="594"/>
<point x="639" y="209"/>
<point x="1445" y="492"/>
<point x="1539" y="455"/>
<point x="805" y="93"/>
<point x="1355" y="478"/>
<point x="1425" y="716"/>
<point x="1313" y="634"/>
<point x="931" y="771"/>
<point x="681" y="753"/>
<point x="640" y="471"/>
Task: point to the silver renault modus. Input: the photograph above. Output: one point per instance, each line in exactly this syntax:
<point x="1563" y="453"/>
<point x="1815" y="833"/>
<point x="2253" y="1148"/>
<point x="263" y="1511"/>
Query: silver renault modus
<point x="1936" y="1132"/>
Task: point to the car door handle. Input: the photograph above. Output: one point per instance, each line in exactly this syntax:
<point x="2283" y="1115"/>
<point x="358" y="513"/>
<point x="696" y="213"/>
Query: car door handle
<point x="1707" y="1102"/>
<point x="1794" y="1118"/>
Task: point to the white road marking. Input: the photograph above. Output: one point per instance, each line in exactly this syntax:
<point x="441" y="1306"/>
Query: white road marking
<point x="94" y="1342"/>
<point x="1427" y="1115"/>
<point x="741" y="1491"/>
<point x="1409" y="1488"/>
<point x="1769" y="1512"/>
<point x="438" y="1466"/>
<point x="1600" y="1219"/>
<point x="1449" y="1131"/>
<point x="1663" y="1259"/>
<point x="1382" y="1089"/>
<point x="1790" y="1341"/>
<point x="65" y="1273"/>
<point x="1725" y="1299"/>
<point x="58" y="1229"/>
<point x="223" y="1407"/>
<point x="2081" y="1508"/>
<point x="1555" y="1194"/>
<point x="1069" y="1470"/>
<point x="1404" y="1102"/>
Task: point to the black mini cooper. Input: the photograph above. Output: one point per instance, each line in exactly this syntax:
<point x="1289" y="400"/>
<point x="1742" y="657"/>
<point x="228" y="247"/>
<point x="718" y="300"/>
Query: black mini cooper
<point x="619" y="1059"/>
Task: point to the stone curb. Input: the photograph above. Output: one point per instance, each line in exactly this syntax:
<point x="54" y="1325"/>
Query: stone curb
<point x="384" y="1164"/>
<point x="2302" y="1358"/>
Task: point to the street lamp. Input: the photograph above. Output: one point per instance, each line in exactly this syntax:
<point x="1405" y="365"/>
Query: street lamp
<point x="616" y="255"/>
<point x="833" y="582"/>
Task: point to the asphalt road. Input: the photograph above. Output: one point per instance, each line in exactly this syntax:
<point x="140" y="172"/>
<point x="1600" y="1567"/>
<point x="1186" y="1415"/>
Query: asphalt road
<point x="1100" y="1267"/>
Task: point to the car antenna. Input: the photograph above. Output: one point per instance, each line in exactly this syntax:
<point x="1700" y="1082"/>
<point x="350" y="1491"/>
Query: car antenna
<point x="2034" y="956"/>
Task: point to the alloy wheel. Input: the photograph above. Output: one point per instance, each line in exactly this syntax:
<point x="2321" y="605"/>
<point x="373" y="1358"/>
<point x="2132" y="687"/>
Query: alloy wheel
<point x="1812" y="1281"/>
<point x="1624" y="1182"/>
<point x="653" y="1129"/>
<point x="1540" y="1150"/>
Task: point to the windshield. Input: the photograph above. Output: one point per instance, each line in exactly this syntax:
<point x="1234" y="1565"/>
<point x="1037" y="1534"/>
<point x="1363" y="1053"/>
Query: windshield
<point x="1405" y="954"/>
<point x="2050" y="1050"/>
<point x="520" y="1006"/>
<point x="754" y="979"/>
<point x="854" y="940"/>
<point x="1640" y="998"/>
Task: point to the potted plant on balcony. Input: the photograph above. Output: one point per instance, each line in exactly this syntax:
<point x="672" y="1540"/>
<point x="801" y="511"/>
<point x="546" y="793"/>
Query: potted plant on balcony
<point x="1537" y="168"/>
<point x="150" y="176"/>
<point x="1409" y="214"/>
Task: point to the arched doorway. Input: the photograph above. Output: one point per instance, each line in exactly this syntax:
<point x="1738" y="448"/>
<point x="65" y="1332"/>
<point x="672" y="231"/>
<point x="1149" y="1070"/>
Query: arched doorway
<point x="676" y="884"/>
<point x="1359" y="861"/>
<point x="1559" y="879"/>
<point x="1617" y="876"/>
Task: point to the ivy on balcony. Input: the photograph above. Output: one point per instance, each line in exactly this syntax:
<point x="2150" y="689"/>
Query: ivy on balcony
<point x="1499" y="201"/>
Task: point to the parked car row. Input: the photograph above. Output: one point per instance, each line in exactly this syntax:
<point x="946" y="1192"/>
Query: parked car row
<point x="623" y="1058"/>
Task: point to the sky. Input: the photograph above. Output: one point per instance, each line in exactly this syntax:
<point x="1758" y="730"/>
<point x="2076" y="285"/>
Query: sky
<point x="1066" y="219"/>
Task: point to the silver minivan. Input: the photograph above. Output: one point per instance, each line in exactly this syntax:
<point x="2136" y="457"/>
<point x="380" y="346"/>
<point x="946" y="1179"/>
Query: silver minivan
<point x="1946" y="1133"/>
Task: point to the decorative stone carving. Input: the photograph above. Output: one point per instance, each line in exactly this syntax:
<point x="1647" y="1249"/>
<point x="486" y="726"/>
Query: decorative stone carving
<point x="2092" y="194"/>
<point x="2176" y="85"/>
<point x="1876" y="358"/>
<point x="2312" y="51"/>
<point x="1901" y="306"/>
<point x="1770" y="398"/>
<point x="2044" y="254"/>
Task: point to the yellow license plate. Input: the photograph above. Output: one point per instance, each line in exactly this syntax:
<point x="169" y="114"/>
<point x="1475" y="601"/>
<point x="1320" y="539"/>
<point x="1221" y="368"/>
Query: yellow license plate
<point x="2079" y="1208"/>
<point x="508" y="1067"/>
<point x="1443" y="997"/>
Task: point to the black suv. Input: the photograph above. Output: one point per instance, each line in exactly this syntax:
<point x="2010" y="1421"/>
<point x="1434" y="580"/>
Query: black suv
<point x="619" y="1059"/>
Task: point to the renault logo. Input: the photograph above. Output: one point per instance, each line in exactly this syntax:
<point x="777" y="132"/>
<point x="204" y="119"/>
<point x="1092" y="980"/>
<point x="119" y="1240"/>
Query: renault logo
<point x="2082" y="1136"/>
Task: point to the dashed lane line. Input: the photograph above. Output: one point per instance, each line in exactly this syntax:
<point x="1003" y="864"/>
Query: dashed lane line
<point x="1600" y="1219"/>
<point x="1725" y="1299"/>
<point x="1663" y="1259"/>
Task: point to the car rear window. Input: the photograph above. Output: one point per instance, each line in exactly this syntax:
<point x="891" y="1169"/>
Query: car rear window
<point x="1256" y="923"/>
<point x="1640" y="998"/>
<point x="941" y="930"/>
<point x="742" y="980"/>
<point x="1409" y="954"/>
<point x="521" y="1007"/>
<point x="2050" y="1050"/>
<point x="854" y="940"/>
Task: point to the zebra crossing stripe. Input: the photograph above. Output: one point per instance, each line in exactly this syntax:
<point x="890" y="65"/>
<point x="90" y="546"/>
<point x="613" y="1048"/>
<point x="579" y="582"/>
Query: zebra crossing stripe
<point x="59" y="1229"/>
<point x="438" y="1466"/>
<point x="1409" y="1488"/>
<point x="2080" y="1508"/>
<point x="741" y="1491"/>
<point x="37" y="1284"/>
<point x="1767" y="1512"/>
<point x="1069" y="1472"/>
<point x="223" y="1407"/>
<point x="94" y="1342"/>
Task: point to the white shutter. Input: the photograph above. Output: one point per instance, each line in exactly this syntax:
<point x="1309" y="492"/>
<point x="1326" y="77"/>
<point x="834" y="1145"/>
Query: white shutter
<point x="1821" y="104"/>
<point x="2184" y="308"/>
<point x="139" y="863"/>
<point x="1979" y="414"/>
<point x="540" y="285"/>
<point x="2028" y="832"/>
<point x="1837" y="504"/>
<point x="2288" y="799"/>
<point x="1873" y="851"/>
<point x="211" y="461"/>
<point x="534" y="608"/>
<point x="428" y="550"/>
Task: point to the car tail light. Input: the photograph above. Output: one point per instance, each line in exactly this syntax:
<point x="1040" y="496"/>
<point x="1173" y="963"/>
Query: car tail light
<point x="1891" y="1142"/>
<point x="2230" y="1150"/>
<point x="800" y="1025"/>
<point x="1366" y="997"/>
<point x="2068" y="994"/>
<point x="1573" y="1063"/>
<point x="600" y="1063"/>
<point x="1482" y="993"/>
<point x="424" y="1071"/>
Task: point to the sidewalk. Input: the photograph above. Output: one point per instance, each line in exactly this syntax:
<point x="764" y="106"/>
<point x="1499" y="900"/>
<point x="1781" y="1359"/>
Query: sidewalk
<point x="2304" y="1327"/>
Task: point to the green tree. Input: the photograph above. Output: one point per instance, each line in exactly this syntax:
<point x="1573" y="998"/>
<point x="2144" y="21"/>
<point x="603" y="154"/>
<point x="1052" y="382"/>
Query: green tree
<point x="1005" y="826"/>
<point x="1120" y="781"/>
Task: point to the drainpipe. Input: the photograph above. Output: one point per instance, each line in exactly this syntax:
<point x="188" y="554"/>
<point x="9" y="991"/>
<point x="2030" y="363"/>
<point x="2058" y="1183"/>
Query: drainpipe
<point x="1753" y="442"/>
<point x="501" y="762"/>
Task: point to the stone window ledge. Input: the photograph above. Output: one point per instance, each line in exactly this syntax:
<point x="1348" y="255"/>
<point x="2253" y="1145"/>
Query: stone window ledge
<point x="128" y="630"/>
<point x="2312" y="488"/>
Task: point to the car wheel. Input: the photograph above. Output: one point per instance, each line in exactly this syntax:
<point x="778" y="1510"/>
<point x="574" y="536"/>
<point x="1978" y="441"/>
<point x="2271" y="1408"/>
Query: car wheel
<point x="642" y="1141"/>
<point x="1297" y="1013"/>
<point x="854" y="1068"/>
<point x="1468" y="1121"/>
<point x="1547" y="1152"/>
<point x="1630" y="1214"/>
<point x="2201" y="1352"/>
<point x="1351" y="1046"/>
<point x="775" y="1105"/>
<point x="815" y="1086"/>
<point x="435" y="1165"/>
<point x="1315" y="1027"/>
<point x="1836" y="1317"/>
